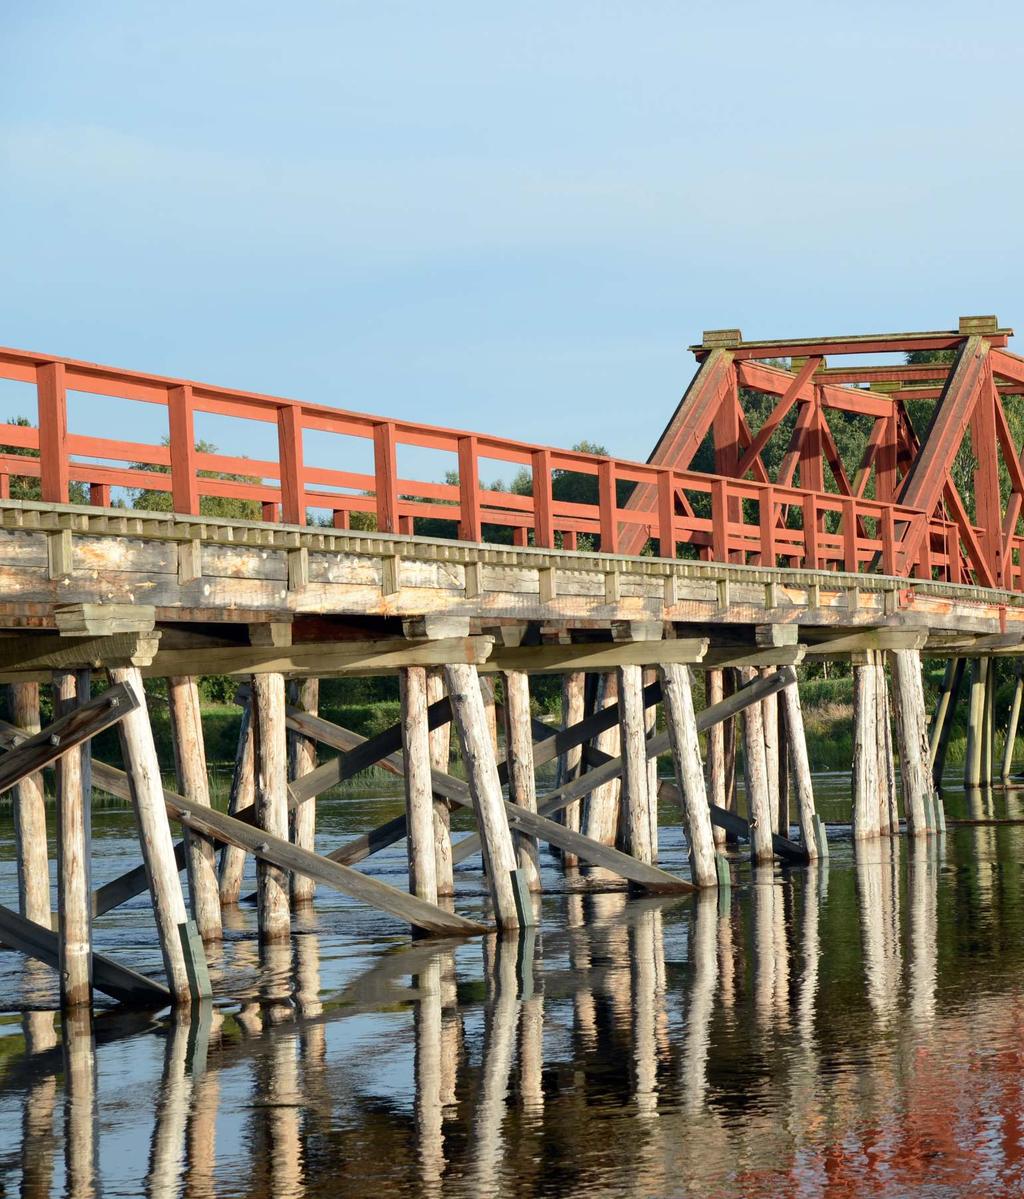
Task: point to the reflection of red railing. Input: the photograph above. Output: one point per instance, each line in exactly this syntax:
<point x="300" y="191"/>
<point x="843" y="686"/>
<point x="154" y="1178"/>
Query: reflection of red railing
<point x="718" y="518"/>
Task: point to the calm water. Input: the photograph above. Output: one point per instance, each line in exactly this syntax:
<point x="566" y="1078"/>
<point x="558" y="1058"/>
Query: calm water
<point x="852" y="1029"/>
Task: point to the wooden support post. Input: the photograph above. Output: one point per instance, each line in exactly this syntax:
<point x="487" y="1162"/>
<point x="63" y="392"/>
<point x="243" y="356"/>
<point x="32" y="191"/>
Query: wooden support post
<point x="714" y="693"/>
<point x="570" y="762"/>
<point x="1006" y="766"/>
<point x="440" y="755"/>
<point x="636" y="803"/>
<point x="242" y="796"/>
<point x="800" y="768"/>
<point x="485" y="788"/>
<point x="194" y="782"/>
<point x="650" y="677"/>
<point x="30" y="816"/>
<point x="305" y="695"/>
<point x="677" y="697"/>
<point x="911" y="732"/>
<point x="419" y="805"/>
<point x="945" y="710"/>
<point x="271" y="796"/>
<point x="784" y="771"/>
<point x="865" y="747"/>
<point x="888" y="817"/>
<point x="757" y="782"/>
<point x="975" y="722"/>
<point x="74" y="893"/>
<point x="601" y="813"/>
<point x="522" y="785"/>
<point x="988" y="726"/>
<point x="770" y="720"/>
<point x="143" y="768"/>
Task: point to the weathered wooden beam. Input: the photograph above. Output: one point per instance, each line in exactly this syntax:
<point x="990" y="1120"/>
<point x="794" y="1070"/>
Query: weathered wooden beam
<point x="146" y="794"/>
<point x="719" y="656"/>
<point x="108" y="976"/>
<point x="290" y="857"/>
<point x="193" y="780"/>
<point x="593" y="656"/>
<point x="45" y="652"/>
<point x="103" y="620"/>
<point x="321" y="659"/>
<point x="75" y="727"/>
<point x="73" y="859"/>
<point x="861" y="641"/>
<point x="736" y="826"/>
<point x="30" y="813"/>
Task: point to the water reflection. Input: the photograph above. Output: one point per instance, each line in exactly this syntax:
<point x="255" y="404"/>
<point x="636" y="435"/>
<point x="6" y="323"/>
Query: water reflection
<point x="851" y="1028"/>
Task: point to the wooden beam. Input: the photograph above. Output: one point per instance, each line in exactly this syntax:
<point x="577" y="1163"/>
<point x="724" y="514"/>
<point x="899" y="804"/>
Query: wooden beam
<point x="869" y="639"/>
<point x="287" y="857"/>
<point x="72" y="729"/>
<point x="736" y="826"/>
<point x="45" y="653"/>
<point x="594" y="656"/>
<point x="120" y="983"/>
<point x="103" y="620"/>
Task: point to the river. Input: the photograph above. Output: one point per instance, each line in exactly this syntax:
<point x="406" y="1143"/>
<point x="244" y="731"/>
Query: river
<point x="847" y="1029"/>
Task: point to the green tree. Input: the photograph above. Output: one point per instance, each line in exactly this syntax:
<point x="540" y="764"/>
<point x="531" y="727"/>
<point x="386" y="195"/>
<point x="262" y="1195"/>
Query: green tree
<point x="226" y="507"/>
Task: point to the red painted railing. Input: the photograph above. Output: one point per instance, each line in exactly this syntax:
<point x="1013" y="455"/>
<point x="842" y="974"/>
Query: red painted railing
<point x="711" y="517"/>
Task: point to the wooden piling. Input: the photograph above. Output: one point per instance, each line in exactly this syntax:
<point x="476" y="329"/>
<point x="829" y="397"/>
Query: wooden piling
<point x="942" y="724"/>
<point x="988" y="742"/>
<point x="30" y="816"/>
<point x="74" y="892"/>
<point x="800" y="768"/>
<point x="973" y="759"/>
<point x="636" y="803"/>
<point x="485" y="788"/>
<point x="889" y="819"/>
<point x="271" y="797"/>
<point x="419" y="804"/>
<point x="865" y="747"/>
<point x="1006" y="766"/>
<point x="757" y="783"/>
<point x="601" y="812"/>
<point x="570" y="762"/>
<point x="522" y="786"/>
<point x="242" y="797"/>
<point x="305" y="696"/>
<point x="650" y="676"/>
<point x="912" y="737"/>
<point x="143" y="768"/>
<point x="784" y="771"/>
<point x="770" y="722"/>
<point x="714" y="693"/>
<point x="440" y="757"/>
<point x="194" y="783"/>
<point x="677" y="697"/>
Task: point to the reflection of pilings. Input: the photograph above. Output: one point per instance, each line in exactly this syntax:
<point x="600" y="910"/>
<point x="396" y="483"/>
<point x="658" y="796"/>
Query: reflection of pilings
<point x="167" y="1149"/>
<point x="37" y="1134"/>
<point x="923" y="952"/>
<point x="703" y="959"/>
<point x="584" y="1006"/>
<point x="201" y="1134"/>
<point x="80" y="1123"/>
<point x="645" y="1001"/>
<point x="810" y="952"/>
<point x="881" y="970"/>
<point x="429" y="1105"/>
<point x="499" y="1045"/>
<point x="531" y="1032"/>
<point x="771" y="955"/>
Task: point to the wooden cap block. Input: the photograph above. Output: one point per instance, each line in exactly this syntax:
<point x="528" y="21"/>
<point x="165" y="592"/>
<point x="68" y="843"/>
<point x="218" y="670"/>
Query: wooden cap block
<point x="715" y="338"/>
<point x="979" y="324"/>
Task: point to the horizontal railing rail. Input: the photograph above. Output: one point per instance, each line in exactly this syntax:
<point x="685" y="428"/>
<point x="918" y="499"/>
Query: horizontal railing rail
<point x="711" y="517"/>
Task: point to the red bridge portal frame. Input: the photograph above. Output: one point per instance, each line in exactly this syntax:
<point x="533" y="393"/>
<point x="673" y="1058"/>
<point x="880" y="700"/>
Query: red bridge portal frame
<point x="900" y="513"/>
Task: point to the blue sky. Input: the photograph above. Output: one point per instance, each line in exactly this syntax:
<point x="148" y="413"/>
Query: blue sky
<point x="509" y="218"/>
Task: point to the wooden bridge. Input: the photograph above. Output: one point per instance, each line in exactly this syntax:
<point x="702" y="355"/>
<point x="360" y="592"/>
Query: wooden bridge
<point x="732" y="554"/>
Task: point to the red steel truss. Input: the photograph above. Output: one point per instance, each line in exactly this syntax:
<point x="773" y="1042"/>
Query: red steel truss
<point x="898" y="512"/>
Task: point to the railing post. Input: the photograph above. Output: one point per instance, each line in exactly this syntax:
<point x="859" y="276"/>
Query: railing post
<point x="54" y="468"/>
<point x="720" y="520"/>
<point x="666" y="514"/>
<point x="810" y="514"/>
<point x="608" y="507"/>
<point x="181" y="427"/>
<point x="766" y="519"/>
<point x="385" y="466"/>
<point x="290" y="460"/>
<point x="99" y="495"/>
<point x="543" y="517"/>
<point x="849" y="526"/>
<point x="469" y="492"/>
<point x="888" y="524"/>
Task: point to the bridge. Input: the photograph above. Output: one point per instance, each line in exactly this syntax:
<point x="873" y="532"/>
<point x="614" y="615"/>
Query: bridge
<point x="739" y="548"/>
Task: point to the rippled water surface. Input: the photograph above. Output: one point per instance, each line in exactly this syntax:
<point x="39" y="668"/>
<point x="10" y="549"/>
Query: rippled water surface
<point x="850" y="1029"/>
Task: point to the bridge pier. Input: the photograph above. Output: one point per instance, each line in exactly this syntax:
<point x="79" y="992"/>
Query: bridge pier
<point x="304" y="695"/>
<point x="912" y="737"/>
